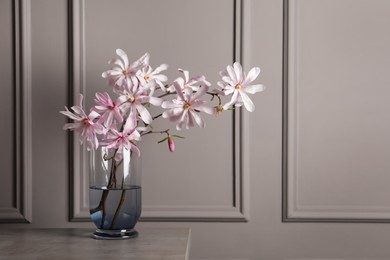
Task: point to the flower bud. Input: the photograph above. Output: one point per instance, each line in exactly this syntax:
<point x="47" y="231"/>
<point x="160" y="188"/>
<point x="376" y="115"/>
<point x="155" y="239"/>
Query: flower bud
<point x="171" y="143"/>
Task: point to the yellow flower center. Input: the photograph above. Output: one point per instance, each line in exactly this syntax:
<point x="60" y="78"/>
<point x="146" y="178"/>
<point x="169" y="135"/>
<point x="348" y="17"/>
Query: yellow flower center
<point x="147" y="77"/>
<point x="186" y="85"/>
<point x="187" y="106"/>
<point x="85" y="121"/>
<point x="125" y="72"/>
<point x="238" y="86"/>
<point x="131" y="99"/>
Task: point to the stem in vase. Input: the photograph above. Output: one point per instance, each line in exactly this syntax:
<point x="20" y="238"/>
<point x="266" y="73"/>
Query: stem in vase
<point x="103" y="202"/>
<point x="118" y="208"/>
<point x="101" y="207"/>
<point x="112" y="179"/>
<point x="111" y="183"/>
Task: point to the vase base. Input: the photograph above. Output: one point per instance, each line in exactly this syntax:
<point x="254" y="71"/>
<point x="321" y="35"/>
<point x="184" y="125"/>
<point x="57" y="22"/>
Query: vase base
<point x="114" y="234"/>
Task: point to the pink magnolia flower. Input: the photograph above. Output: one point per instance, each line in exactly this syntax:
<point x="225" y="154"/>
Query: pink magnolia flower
<point x="109" y="109"/>
<point x="122" y="73"/>
<point x="147" y="74"/>
<point x="136" y="98"/>
<point x="185" y="109"/>
<point x="235" y="81"/>
<point x="117" y="140"/>
<point x="189" y="83"/>
<point x="84" y="124"/>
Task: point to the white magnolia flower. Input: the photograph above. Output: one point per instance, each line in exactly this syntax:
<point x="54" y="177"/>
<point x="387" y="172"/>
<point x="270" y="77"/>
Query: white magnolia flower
<point x="186" y="108"/>
<point x="123" y="74"/>
<point x="236" y="82"/>
<point x="189" y="83"/>
<point x="134" y="100"/>
<point x="147" y="74"/>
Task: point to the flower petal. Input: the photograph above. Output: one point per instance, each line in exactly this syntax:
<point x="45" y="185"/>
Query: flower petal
<point x="252" y="75"/>
<point x="198" y="119"/>
<point x="135" y="149"/>
<point x="183" y="122"/>
<point x="123" y="56"/>
<point x="117" y="62"/>
<point x="160" y="77"/>
<point x="144" y="113"/>
<point x="247" y="102"/>
<point x="228" y="80"/>
<point x="168" y="104"/>
<point x="201" y="91"/>
<point x="223" y="73"/>
<point x="254" y="88"/>
<point x="109" y="119"/>
<point x="118" y="115"/>
<point x="174" y="114"/>
<point x="178" y="88"/>
<point x="144" y="60"/>
<point x="232" y="75"/>
<point x="186" y="74"/>
<point x="155" y="101"/>
<point x="232" y="101"/>
<point x="206" y="109"/>
<point x="78" y="110"/>
<point x="135" y="135"/>
<point x="93" y="114"/>
<point x="71" y="115"/>
<point x="238" y="71"/>
<point x="131" y="123"/>
<point x="190" y="120"/>
<point x="160" y="68"/>
<point x="71" y="126"/>
<point x="146" y="87"/>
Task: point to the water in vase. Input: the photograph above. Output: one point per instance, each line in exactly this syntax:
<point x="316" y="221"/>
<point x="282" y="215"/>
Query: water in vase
<point x="121" y="208"/>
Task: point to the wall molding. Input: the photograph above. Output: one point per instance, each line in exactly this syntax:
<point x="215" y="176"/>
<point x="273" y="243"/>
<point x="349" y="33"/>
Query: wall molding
<point x="78" y="208"/>
<point x="22" y="208"/>
<point x="293" y="211"/>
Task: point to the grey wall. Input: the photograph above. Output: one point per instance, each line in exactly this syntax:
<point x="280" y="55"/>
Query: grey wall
<point x="303" y="177"/>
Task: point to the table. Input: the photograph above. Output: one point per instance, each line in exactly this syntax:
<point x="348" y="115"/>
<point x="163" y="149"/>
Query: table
<point x="69" y="244"/>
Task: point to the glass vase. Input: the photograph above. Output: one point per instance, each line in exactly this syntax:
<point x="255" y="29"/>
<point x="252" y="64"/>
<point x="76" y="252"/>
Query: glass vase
<point x="114" y="193"/>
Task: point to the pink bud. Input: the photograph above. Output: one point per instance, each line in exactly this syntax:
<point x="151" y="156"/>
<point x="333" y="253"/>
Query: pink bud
<point x="171" y="144"/>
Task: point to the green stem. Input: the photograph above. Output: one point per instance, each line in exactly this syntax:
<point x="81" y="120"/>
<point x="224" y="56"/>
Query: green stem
<point x="156" y="132"/>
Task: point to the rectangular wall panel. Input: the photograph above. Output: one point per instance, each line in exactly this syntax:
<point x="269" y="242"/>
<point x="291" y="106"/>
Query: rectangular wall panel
<point x="15" y="104"/>
<point x="337" y="120"/>
<point x="185" y="185"/>
<point x="6" y="104"/>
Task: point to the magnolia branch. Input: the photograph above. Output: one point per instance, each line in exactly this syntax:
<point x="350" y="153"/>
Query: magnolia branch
<point x="156" y="132"/>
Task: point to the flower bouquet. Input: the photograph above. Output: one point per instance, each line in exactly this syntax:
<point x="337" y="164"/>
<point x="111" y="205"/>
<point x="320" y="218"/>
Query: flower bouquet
<point x="113" y="128"/>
